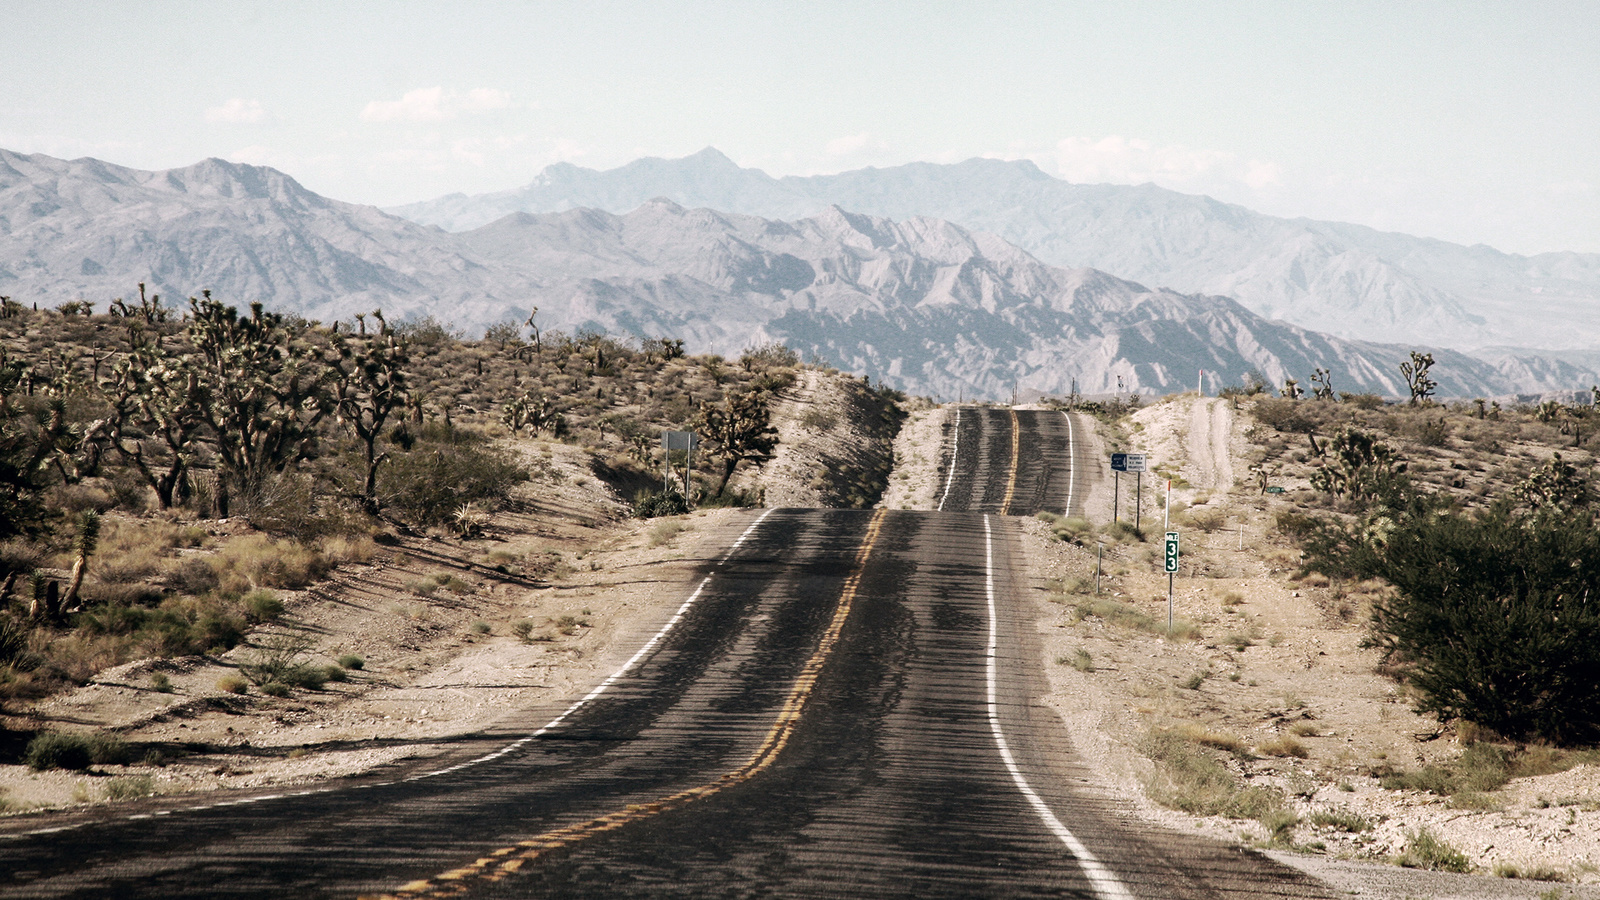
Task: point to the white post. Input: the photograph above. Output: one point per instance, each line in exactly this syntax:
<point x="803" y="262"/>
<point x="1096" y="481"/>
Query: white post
<point x="1166" y="519"/>
<point x="1200" y="383"/>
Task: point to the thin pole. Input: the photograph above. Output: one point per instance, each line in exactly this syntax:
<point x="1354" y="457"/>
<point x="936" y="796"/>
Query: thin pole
<point x="1098" y="563"/>
<point x="1241" y="536"/>
<point x="1138" y="478"/>
<point x="1116" y="496"/>
<point x="1166" y="518"/>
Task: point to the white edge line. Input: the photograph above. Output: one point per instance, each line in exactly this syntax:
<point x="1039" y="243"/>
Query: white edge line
<point x="955" y="447"/>
<point x="651" y="644"/>
<point x="471" y="762"/>
<point x="1106" y="884"/>
<point x="1072" y="465"/>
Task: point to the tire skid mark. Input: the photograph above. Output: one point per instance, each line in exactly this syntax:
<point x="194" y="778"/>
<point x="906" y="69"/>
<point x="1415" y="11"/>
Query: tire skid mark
<point x="506" y="861"/>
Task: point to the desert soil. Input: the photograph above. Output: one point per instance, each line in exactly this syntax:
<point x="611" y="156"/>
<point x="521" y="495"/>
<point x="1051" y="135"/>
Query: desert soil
<point x="438" y="663"/>
<point x="1276" y="658"/>
<point x="442" y="664"/>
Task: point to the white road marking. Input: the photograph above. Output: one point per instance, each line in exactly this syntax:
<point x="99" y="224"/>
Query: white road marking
<point x="617" y="675"/>
<point x="511" y="747"/>
<point x="1105" y="882"/>
<point x="955" y="448"/>
<point x="645" y="650"/>
<point x="1072" y="465"/>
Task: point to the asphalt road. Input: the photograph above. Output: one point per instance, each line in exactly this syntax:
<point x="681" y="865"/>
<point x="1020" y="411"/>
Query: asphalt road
<point x="843" y="708"/>
<point x="1018" y="462"/>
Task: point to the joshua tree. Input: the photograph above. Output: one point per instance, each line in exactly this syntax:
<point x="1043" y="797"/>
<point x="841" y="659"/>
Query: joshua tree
<point x="264" y="389"/>
<point x="738" y="428"/>
<point x="1416" y="375"/>
<point x="1322" y="384"/>
<point x="368" y="385"/>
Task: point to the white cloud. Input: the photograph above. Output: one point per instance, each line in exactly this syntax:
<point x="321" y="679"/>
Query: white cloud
<point x="238" y="111"/>
<point x="479" y="99"/>
<point x="1133" y="160"/>
<point x="435" y="104"/>
<point x="852" y="144"/>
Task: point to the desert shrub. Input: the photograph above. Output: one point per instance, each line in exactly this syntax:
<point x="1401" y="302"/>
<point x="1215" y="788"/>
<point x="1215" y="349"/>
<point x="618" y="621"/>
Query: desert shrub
<point x="1080" y="660"/>
<point x="1284" y="415"/>
<point x="279" y="662"/>
<point x="1481" y="767"/>
<point x="130" y="787"/>
<point x="1284" y="745"/>
<point x="73" y="750"/>
<point x="652" y="504"/>
<point x="1192" y="780"/>
<point x="1494" y="617"/>
<point x="262" y="606"/>
<point x="1127" y="615"/>
<point x="1531" y="873"/>
<point x="194" y="576"/>
<point x="1362" y="401"/>
<point x="447" y="469"/>
<point x="1424" y="850"/>
<point x="258" y="560"/>
<point x="233" y="684"/>
<point x="352" y="661"/>
<point x="1341" y="820"/>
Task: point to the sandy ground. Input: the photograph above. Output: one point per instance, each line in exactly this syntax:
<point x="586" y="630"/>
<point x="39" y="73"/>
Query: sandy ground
<point x="1276" y="659"/>
<point x="918" y="455"/>
<point x="590" y="585"/>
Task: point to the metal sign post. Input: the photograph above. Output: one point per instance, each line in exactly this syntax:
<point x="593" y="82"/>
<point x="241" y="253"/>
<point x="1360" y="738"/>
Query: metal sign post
<point x="687" y="441"/>
<point x="1125" y="462"/>
<point x="1172" y="568"/>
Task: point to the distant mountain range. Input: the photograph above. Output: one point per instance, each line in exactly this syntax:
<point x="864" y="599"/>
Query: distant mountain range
<point x="921" y="303"/>
<point x="1347" y="280"/>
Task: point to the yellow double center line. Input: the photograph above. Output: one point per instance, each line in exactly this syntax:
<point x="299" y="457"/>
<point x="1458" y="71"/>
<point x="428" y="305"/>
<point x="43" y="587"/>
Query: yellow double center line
<point x="1016" y="452"/>
<point x="507" y="860"/>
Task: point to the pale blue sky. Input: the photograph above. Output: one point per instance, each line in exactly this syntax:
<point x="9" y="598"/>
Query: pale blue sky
<point x="1473" y="122"/>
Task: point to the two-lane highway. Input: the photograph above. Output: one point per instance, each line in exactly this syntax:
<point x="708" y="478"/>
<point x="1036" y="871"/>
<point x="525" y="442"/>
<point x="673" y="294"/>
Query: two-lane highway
<point x="1018" y="462"/>
<point x="845" y="706"/>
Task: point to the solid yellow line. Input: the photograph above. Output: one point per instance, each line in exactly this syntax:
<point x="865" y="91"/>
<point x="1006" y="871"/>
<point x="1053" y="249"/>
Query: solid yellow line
<point x="506" y="860"/>
<point x="1016" y="448"/>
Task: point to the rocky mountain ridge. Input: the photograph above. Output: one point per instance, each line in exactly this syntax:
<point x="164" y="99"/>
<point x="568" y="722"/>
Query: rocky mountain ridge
<point x="1349" y="280"/>
<point x="922" y="304"/>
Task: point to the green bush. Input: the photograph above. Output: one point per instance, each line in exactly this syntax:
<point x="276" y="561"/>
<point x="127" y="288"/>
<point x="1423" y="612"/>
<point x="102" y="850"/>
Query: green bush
<point x="653" y="504"/>
<point x="1495" y="617"/>
<point x="73" y="750"/>
<point x="447" y="468"/>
